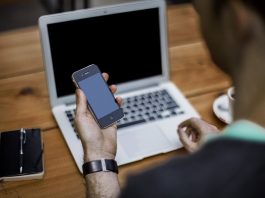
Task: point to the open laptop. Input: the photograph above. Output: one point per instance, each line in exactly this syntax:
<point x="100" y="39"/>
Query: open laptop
<point x="128" y="41"/>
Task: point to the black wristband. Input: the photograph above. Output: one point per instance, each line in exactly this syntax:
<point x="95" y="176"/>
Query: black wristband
<point x="100" y="165"/>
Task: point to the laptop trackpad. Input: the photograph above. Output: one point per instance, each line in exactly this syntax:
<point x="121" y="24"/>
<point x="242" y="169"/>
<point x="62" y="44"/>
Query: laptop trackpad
<point x="143" y="141"/>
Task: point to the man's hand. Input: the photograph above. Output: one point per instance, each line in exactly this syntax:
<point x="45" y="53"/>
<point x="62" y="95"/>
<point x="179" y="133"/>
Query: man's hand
<point x="192" y="131"/>
<point x="97" y="143"/>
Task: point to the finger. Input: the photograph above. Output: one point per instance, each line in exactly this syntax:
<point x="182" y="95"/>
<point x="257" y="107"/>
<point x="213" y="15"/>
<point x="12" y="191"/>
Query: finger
<point x="105" y="76"/>
<point x="194" y="123"/>
<point x="119" y="101"/>
<point x="81" y="104"/>
<point x="193" y="137"/>
<point x="185" y="140"/>
<point x="189" y="132"/>
<point x="192" y="134"/>
<point x="183" y="136"/>
<point x="113" y="88"/>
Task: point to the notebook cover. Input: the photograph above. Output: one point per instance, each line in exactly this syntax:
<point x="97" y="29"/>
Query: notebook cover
<point x="10" y="153"/>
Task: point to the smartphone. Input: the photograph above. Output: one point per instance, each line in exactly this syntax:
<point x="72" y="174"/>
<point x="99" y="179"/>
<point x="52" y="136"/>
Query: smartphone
<point x="100" y="100"/>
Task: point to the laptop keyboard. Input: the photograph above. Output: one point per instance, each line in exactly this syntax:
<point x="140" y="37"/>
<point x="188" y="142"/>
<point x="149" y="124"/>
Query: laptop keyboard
<point x="71" y="116"/>
<point x="148" y="107"/>
<point x="143" y="108"/>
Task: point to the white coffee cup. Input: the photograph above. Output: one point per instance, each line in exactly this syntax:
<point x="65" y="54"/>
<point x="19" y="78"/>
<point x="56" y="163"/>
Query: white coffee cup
<point x="231" y="100"/>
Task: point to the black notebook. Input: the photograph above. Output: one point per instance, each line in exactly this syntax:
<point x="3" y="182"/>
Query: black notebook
<point x="21" y="155"/>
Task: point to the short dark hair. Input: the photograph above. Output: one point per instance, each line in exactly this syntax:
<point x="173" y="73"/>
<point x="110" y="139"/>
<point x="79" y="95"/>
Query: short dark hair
<point x="256" y="5"/>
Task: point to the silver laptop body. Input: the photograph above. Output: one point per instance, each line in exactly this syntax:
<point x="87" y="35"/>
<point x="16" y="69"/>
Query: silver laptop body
<point x="129" y="41"/>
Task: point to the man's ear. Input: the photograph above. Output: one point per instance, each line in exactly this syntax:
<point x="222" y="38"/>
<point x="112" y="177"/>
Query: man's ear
<point x="245" y="20"/>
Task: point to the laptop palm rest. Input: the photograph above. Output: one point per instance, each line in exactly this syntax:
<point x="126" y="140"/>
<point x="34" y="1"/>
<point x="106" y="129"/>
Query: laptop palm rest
<point x="143" y="141"/>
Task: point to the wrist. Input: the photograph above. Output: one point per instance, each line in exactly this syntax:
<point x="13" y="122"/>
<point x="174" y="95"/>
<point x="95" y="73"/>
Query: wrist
<point x="103" y="165"/>
<point x="91" y="156"/>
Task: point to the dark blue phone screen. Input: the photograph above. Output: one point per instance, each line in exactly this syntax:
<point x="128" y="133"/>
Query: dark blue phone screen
<point x="98" y="95"/>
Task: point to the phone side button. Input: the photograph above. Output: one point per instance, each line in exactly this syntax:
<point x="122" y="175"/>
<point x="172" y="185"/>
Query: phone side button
<point x="131" y="123"/>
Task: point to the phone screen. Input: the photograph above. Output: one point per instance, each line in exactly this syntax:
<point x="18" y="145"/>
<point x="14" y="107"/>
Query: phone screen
<point x="98" y="95"/>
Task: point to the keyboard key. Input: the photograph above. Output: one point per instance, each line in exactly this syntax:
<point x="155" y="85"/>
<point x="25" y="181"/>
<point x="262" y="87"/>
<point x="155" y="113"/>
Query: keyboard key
<point x="181" y="112"/>
<point x="152" y="118"/>
<point x="165" y="113"/>
<point x="163" y="92"/>
<point x="70" y="117"/>
<point x="172" y="105"/>
<point x="131" y="123"/>
<point x="173" y="113"/>
<point x="159" y="117"/>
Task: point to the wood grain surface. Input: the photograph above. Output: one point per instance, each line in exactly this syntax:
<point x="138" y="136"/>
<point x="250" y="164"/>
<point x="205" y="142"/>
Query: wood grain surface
<point x="20" y="52"/>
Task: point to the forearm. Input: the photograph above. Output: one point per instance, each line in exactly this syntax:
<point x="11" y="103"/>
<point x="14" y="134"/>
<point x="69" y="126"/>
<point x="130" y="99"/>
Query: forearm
<point x="102" y="184"/>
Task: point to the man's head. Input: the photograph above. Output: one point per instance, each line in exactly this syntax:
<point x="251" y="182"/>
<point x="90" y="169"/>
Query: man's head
<point x="229" y="27"/>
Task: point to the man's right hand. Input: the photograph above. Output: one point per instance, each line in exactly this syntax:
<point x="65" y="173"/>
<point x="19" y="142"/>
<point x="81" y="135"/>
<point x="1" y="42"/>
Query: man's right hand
<point x="97" y="143"/>
<point x="192" y="131"/>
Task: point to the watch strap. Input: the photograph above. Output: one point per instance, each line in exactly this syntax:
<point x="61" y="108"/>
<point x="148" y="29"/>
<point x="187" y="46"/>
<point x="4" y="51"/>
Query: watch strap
<point x="104" y="165"/>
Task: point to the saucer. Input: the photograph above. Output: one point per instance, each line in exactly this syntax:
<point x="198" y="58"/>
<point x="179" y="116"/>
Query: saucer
<point x="221" y="109"/>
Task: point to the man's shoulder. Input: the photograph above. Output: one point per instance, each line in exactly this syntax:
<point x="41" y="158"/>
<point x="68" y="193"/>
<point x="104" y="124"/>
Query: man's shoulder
<point x="206" y="169"/>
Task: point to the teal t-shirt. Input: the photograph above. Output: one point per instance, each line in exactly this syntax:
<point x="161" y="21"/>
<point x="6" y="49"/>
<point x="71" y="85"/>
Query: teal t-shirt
<point x="243" y="130"/>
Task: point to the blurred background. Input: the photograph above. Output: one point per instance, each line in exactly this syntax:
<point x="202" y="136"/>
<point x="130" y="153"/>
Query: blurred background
<point x="23" y="13"/>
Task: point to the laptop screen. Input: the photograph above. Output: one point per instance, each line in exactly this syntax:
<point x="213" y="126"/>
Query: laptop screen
<point x="125" y="45"/>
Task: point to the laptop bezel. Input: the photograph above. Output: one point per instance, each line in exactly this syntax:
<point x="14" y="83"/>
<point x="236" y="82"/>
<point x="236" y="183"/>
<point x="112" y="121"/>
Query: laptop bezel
<point x="44" y="21"/>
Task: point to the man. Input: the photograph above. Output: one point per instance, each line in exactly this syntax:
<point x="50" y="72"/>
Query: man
<point x="231" y="164"/>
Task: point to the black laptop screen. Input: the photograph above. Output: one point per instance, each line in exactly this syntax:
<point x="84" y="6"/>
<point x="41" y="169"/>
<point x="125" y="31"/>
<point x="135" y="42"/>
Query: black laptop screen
<point x="125" y="45"/>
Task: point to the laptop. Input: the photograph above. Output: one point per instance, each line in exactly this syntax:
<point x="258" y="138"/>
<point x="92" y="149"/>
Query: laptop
<point x="129" y="42"/>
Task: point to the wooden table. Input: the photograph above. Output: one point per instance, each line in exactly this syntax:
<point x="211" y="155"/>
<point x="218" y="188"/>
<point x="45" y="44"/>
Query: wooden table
<point x="24" y="101"/>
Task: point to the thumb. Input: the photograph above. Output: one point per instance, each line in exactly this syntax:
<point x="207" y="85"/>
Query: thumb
<point x="186" y="140"/>
<point x="81" y="103"/>
<point x="183" y="136"/>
